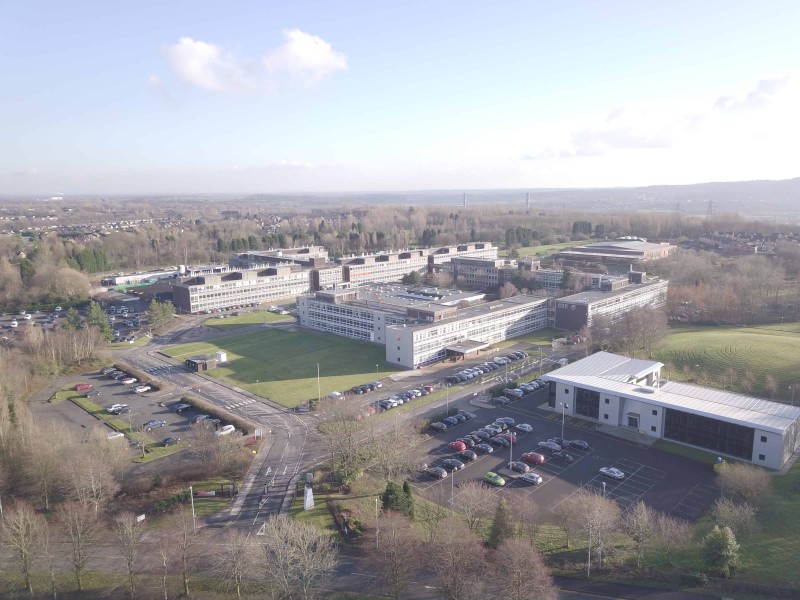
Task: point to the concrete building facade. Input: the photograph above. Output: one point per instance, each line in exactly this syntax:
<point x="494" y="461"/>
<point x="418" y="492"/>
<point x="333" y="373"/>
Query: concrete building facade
<point x="630" y="393"/>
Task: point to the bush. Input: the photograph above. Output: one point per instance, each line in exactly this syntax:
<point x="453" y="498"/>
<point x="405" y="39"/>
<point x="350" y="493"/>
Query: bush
<point x="694" y="579"/>
<point x="144" y="378"/>
<point x="220" y="413"/>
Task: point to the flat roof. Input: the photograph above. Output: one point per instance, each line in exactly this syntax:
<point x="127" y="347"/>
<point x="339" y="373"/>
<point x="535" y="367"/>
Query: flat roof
<point x="398" y="297"/>
<point x="612" y="373"/>
<point x="465" y="346"/>
<point x="591" y="296"/>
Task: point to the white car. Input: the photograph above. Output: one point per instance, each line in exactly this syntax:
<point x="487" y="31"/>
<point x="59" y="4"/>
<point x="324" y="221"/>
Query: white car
<point x="27" y="317"/>
<point x="225" y="430"/>
<point x="141" y="389"/>
<point x="129" y="380"/>
<point x="14" y="324"/>
<point x="533" y="478"/>
<point x="58" y="309"/>
<point x="612" y="472"/>
<point x="114" y="435"/>
<point x="524" y="427"/>
<point x="115" y="407"/>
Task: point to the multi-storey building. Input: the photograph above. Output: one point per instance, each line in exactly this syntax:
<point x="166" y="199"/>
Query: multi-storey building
<point x="626" y="250"/>
<point x="481" y="273"/>
<point x="578" y="310"/>
<point x="208" y="292"/>
<point x="629" y="393"/>
<point x="420" y="326"/>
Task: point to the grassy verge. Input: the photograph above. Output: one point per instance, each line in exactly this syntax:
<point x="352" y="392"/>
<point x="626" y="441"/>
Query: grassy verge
<point x="701" y="456"/>
<point x="282" y="366"/>
<point x="93" y="409"/>
<point x="65" y="394"/>
<point x="140" y="341"/>
<point x="319" y="516"/>
<point x="156" y="451"/>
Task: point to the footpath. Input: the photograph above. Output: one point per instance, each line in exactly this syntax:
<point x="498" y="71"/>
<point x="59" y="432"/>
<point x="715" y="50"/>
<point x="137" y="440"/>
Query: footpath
<point x="618" y="590"/>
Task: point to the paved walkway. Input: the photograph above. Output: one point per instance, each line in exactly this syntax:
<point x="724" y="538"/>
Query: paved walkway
<point x="618" y="590"/>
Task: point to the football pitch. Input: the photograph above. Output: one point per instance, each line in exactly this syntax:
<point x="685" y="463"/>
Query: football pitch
<point x="282" y="365"/>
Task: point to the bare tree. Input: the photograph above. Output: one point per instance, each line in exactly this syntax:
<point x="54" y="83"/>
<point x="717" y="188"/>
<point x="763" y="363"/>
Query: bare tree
<point x="341" y="424"/>
<point x="519" y="569"/>
<point x="598" y="518"/>
<point x="476" y="503"/>
<point x="672" y="533"/>
<point x="49" y="553"/>
<point x="82" y="528"/>
<point x="567" y="513"/>
<point x="201" y="441"/>
<point x="181" y="532"/>
<point x="89" y="477"/>
<point x="128" y="532"/>
<point x="22" y="532"/>
<point x="397" y="555"/>
<point x="745" y="483"/>
<point x="525" y="513"/>
<point x="639" y="524"/>
<point x="43" y="466"/>
<point x="459" y="563"/>
<point x="393" y="449"/>
<point x="297" y="558"/>
<point x="430" y="509"/>
<point x="739" y="516"/>
<point x="236" y="559"/>
<point x="771" y="383"/>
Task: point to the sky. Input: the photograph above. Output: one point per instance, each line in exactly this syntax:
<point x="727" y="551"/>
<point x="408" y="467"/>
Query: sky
<point x="267" y="96"/>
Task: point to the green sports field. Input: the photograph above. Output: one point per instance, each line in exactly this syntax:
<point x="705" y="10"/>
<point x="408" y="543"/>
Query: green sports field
<point x="282" y="366"/>
<point x="723" y="356"/>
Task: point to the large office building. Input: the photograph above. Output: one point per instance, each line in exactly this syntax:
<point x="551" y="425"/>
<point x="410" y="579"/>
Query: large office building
<point x="419" y="325"/>
<point x="618" y="391"/>
<point x="578" y="310"/>
<point x="204" y="293"/>
<point x="480" y="273"/>
<point x="625" y="250"/>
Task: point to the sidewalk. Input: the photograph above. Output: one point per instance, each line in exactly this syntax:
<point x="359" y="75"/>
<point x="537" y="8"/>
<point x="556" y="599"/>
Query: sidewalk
<point x="618" y="590"/>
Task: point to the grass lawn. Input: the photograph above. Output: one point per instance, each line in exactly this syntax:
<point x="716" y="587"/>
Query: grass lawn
<point x="282" y="366"/>
<point x="93" y="409"/>
<point x="65" y="394"/>
<point x="249" y="318"/>
<point x="319" y="516"/>
<point x="720" y="356"/>
<point x="696" y="454"/>
<point x="156" y="450"/>
<point x="542" y="337"/>
<point x="545" y="250"/>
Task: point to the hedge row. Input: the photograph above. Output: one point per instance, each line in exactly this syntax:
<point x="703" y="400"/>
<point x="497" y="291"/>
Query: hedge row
<point x="144" y="378"/>
<point x="220" y="413"/>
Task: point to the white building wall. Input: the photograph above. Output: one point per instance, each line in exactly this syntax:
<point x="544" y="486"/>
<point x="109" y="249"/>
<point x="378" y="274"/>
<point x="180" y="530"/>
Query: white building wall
<point x="770" y="446"/>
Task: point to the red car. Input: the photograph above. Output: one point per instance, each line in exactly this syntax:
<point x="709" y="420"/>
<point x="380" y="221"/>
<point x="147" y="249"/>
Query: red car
<point x="83" y="386"/>
<point x="457" y="446"/>
<point x="533" y="457"/>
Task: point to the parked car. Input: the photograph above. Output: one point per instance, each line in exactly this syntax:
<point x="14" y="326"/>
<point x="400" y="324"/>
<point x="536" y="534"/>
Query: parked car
<point x="468" y="455"/>
<point x="225" y="430"/>
<point x="107" y="370"/>
<point x="494" y="479"/>
<point x="519" y="466"/>
<point x="83" y="386"/>
<point x="141" y="389"/>
<point x="198" y="418"/>
<point x="533" y="478"/>
<point x="120" y="410"/>
<point x="155" y="423"/>
<point x="114" y="407"/>
<point x="507" y="420"/>
<point x="551" y="446"/>
<point x="457" y="446"/>
<point x="179" y="408"/>
<point x="493" y="429"/>
<point x="612" y="472"/>
<point x="114" y="435"/>
<point x="483" y="448"/>
<point x="170" y="441"/>
<point x="450" y="421"/>
<point x="560" y="441"/>
<point x="119" y="375"/>
<point x="482" y="434"/>
<point x="467" y="441"/>
<point x="581" y="444"/>
<point x="438" y="427"/>
<point x="524" y="427"/>
<point x="437" y="472"/>
<point x="533" y="457"/>
<point x="452" y="464"/>
<point x="467" y="414"/>
<point x="500" y="441"/>
<point x="129" y="380"/>
<point x="501" y="401"/>
<point x="564" y="457"/>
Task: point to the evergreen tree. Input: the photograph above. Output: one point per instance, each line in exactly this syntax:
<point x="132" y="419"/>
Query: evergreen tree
<point x="502" y="525"/>
<point x="409" y="498"/>
<point x="160" y="313"/>
<point x="73" y="321"/>
<point x="397" y="498"/>
<point x="413" y="278"/>
<point x="97" y="317"/>
<point x="721" y="551"/>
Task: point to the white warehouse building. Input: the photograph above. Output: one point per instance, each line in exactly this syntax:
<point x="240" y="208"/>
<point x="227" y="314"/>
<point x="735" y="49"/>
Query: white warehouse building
<point x="629" y="393"/>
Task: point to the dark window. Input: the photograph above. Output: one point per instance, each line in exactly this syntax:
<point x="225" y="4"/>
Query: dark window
<point x="566" y="391"/>
<point x="762" y="457"/>
<point x="608" y="401"/>
<point x="712" y="434"/>
<point x="605" y="417"/>
<point x="652" y="427"/>
<point x="763" y="438"/>
<point x="398" y="347"/>
<point x="587" y="403"/>
<point x="551" y="394"/>
<point x="655" y="412"/>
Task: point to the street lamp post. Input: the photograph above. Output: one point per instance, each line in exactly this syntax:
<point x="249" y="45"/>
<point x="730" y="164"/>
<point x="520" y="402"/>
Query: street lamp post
<point x="604" y="489"/>
<point x="377" y="527"/>
<point x="791" y="388"/>
<point x="564" y="407"/>
<point x="447" y="400"/>
<point x="376" y="372"/>
<point x="194" y="517"/>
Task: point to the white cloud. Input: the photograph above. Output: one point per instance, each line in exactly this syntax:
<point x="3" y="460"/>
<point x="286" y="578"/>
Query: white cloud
<point x="207" y="66"/>
<point x="307" y="55"/>
<point x="302" y="56"/>
<point x="154" y="82"/>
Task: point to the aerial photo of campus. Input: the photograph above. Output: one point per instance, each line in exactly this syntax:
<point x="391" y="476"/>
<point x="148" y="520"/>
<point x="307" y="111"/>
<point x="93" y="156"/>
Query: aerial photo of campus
<point x="422" y="301"/>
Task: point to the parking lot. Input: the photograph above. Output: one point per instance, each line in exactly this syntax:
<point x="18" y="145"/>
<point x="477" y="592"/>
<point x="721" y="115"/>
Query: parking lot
<point x="666" y="482"/>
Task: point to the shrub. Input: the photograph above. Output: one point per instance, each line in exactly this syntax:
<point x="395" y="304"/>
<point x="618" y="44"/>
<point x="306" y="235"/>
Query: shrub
<point x="694" y="579"/>
<point x="220" y="413"/>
